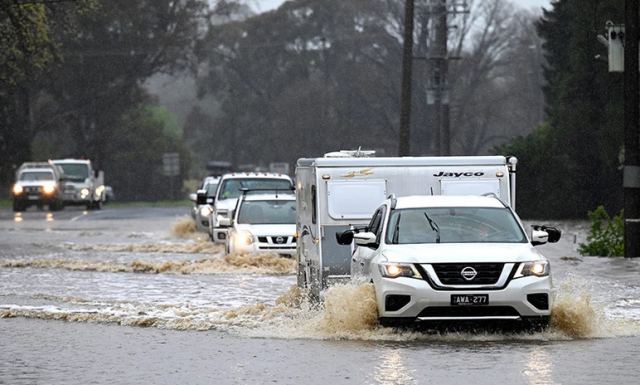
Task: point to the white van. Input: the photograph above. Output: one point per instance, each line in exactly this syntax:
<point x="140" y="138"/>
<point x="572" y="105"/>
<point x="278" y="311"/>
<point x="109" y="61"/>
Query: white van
<point x="342" y="190"/>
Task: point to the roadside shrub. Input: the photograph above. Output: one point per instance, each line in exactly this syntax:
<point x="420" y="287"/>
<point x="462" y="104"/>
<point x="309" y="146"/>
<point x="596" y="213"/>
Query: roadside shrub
<point x="606" y="237"/>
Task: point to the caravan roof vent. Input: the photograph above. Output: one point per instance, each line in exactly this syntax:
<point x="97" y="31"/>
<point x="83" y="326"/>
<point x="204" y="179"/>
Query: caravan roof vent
<point x="359" y="153"/>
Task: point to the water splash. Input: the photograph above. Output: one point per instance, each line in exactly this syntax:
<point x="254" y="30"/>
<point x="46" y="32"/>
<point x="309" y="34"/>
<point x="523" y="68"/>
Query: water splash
<point x="349" y="312"/>
<point x="271" y="264"/>
<point x="184" y="228"/>
<point x="201" y="247"/>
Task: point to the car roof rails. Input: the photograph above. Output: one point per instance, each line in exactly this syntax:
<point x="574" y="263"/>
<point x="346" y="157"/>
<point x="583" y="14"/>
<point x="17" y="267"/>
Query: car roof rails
<point x="246" y="190"/>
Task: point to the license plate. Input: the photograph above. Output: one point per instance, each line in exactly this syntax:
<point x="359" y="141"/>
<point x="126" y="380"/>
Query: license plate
<point x="34" y="197"/>
<point x="469" y="299"/>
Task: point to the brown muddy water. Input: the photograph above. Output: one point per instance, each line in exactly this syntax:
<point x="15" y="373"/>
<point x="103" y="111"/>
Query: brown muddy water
<point x="133" y="296"/>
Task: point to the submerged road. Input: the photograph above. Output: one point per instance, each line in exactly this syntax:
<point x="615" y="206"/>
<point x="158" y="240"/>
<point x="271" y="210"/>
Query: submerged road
<point x="116" y="296"/>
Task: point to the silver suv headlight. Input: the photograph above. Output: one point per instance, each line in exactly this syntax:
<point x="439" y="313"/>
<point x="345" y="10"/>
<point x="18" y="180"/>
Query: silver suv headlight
<point x="205" y="210"/>
<point x="395" y="270"/>
<point x="533" y="268"/>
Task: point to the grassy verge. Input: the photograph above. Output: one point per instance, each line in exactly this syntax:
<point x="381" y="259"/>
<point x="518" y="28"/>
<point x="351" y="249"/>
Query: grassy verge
<point x="5" y="203"/>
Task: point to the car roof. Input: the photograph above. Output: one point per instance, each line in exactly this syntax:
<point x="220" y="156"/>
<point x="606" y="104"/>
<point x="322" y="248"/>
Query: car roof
<point x="255" y="175"/>
<point x="42" y="169"/>
<point x="211" y="179"/>
<point x="64" y="161"/>
<point x="283" y="196"/>
<point x="418" y="201"/>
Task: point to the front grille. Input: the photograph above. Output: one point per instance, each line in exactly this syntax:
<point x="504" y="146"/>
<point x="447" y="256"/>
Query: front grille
<point x="32" y="189"/>
<point x="285" y="239"/>
<point x="451" y="273"/>
<point x="468" y="311"/>
<point x="283" y="247"/>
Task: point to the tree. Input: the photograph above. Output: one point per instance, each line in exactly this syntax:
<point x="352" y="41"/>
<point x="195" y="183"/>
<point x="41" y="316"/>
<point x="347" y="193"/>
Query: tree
<point x="584" y="102"/>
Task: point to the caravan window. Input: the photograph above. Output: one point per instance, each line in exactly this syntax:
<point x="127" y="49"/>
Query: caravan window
<point x="356" y="199"/>
<point x="490" y="187"/>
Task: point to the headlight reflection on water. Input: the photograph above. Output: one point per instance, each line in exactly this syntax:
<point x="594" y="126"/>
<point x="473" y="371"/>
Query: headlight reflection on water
<point x="539" y="368"/>
<point x="392" y="370"/>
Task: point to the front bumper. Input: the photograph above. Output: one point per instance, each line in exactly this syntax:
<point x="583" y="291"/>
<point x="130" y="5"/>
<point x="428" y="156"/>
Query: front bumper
<point x="423" y="296"/>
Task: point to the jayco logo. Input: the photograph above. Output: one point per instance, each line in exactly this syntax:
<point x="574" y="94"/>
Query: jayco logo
<point x="458" y="174"/>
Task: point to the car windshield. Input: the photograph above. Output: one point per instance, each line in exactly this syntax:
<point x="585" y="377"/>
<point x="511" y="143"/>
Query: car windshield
<point x="36" y="175"/>
<point x="232" y="188"/>
<point x="273" y="212"/>
<point x="75" y="170"/>
<point x="454" y="225"/>
<point x="211" y="189"/>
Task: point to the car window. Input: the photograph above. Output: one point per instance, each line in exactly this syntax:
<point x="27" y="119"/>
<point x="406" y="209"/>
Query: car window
<point x="276" y="212"/>
<point x="454" y="225"/>
<point x="36" y="175"/>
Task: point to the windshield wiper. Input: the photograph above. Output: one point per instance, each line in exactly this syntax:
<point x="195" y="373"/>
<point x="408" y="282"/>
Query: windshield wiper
<point x="395" y="234"/>
<point x="434" y="227"/>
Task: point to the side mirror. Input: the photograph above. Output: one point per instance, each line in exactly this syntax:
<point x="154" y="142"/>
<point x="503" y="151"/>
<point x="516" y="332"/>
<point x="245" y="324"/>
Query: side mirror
<point x="345" y="237"/>
<point x="543" y="234"/>
<point x="224" y="222"/>
<point x="365" y="239"/>
<point x="539" y="237"/>
<point x="554" y="233"/>
<point x="201" y="197"/>
<point x="193" y="197"/>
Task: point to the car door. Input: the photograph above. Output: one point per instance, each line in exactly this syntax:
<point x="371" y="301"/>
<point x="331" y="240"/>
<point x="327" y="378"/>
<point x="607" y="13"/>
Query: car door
<point x="362" y="255"/>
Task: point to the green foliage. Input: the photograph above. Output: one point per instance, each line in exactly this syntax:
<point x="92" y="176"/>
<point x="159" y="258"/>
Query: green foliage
<point x="574" y="166"/>
<point x="168" y="120"/>
<point x="606" y="237"/>
<point x="134" y="163"/>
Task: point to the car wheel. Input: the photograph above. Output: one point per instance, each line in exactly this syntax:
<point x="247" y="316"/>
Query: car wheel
<point x="17" y="207"/>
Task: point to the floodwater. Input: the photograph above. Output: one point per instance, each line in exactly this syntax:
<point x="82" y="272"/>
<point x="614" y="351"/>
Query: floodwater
<point x="116" y="296"/>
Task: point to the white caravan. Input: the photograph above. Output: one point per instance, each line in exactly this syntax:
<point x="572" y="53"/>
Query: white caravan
<point x="342" y="190"/>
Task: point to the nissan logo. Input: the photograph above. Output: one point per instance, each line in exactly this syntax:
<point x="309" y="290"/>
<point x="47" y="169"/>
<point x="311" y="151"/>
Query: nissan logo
<point x="279" y="240"/>
<point x="468" y="273"/>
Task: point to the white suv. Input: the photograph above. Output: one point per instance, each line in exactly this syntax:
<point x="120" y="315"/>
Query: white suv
<point x="230" y="189"/>
<point x="264" y="222"/>
<point x="447" y="258"/>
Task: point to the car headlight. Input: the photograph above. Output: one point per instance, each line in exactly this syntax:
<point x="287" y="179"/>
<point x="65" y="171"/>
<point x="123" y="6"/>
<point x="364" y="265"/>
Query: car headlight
<point x="534" y="268"/>
<point x="84" y="193"/>
<point x="395" y="270"/>
<point x="205" y="210"/>
<point x="48" y="188"/>
<point x="243" y="238"/>
<point x="17" y="189"/>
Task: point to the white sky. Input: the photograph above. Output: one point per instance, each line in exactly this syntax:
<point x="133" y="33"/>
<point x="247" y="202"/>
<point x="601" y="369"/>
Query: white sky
<point x="266" y="5"/>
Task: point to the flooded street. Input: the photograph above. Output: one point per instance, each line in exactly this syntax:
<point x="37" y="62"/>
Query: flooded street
<point x="116" y="296"/>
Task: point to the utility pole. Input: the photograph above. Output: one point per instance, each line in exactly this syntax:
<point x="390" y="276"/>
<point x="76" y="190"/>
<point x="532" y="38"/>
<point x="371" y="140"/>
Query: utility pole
<point x="407" y="72"/>
<point x="438" y="94"/>
<point x="439" y="78"/>
<point x="631" y="182"/>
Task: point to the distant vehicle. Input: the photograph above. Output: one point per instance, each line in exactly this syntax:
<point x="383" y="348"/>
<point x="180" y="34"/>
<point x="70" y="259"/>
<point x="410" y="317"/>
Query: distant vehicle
<point x="203" y="204"/>
<point x="109" y="195"/>
<point x="39" y="184"/>
<point x="279" y="168"/>
<point x="264" y="221"/>
<point x="230" y="189"/>
<point x="83" y="184"/>
<point x="453" y="258"/>
<point x="343" y="189"/>
<point x="218" y="167"/>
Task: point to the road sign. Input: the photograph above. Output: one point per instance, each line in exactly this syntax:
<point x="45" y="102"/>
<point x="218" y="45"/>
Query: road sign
<point x="171" y="164"/>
